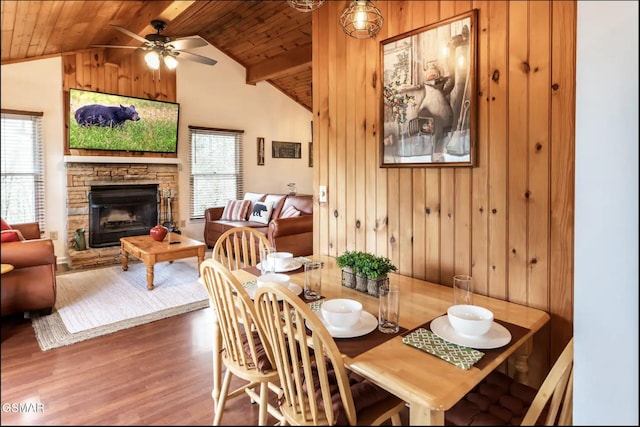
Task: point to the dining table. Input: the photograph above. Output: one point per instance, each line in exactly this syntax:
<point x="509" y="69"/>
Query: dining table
<point x="427" y="383"/>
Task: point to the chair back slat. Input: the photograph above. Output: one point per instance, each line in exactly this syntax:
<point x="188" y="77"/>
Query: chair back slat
<point x="306" y="361"/>
<point x="555" y="393"/>
<point x="239" y="248"/>
<point x="236" y="315"/>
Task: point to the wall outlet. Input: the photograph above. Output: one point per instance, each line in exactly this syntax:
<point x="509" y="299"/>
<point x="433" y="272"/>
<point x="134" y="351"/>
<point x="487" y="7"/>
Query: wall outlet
<point x="53" y="235"/>
<point x="322" y="194"/>
<point x="183" y="223"/>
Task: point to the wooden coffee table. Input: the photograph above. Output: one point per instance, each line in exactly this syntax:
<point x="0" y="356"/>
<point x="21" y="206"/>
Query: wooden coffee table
<point x="151" y="252"/>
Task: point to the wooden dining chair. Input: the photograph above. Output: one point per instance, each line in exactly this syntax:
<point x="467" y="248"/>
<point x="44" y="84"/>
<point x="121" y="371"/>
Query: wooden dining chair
<point x="239" y="247"/>
<point x="245" y="351"/>
<point x="317" y="387"/>
<point x="500" y="400"/>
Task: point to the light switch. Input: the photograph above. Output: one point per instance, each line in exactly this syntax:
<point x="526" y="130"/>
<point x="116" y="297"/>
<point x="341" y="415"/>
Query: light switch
<point x="322" y="194"/>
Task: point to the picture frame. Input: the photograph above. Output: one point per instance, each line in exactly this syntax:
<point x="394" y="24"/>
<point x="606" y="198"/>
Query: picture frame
<point x="311" y="154"/>
<point x="286" y="150"/>
<point x="428" y="109"/>
<point x="260" y="150"/>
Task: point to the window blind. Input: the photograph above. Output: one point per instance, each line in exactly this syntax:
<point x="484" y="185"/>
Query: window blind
<point x="22" y="160"/>
<point x="216" y="168"/>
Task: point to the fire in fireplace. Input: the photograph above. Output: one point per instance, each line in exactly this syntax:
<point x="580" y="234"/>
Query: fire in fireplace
<point x="117" y="211"/>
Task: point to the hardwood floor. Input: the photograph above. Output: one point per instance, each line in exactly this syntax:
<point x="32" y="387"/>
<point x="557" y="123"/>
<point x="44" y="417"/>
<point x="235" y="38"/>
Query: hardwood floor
<point x="159" y="373"/>
<point x="153" y="374"/>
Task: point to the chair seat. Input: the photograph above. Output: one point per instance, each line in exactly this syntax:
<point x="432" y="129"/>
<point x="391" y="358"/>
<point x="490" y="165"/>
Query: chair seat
<point x="498" y="400"/>
<point x="365" y="394"/>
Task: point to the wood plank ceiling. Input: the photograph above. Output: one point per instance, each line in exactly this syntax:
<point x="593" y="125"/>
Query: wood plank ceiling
<point x="269" y="38"/>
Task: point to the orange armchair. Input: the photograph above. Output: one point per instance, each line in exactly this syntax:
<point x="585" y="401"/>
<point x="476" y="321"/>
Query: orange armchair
<point x="31" y="285"/>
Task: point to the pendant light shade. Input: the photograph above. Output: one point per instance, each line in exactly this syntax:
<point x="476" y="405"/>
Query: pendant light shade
<point x="361" y="20"/>
<point x="305" y="5"/>
<point x="170" y="62"/>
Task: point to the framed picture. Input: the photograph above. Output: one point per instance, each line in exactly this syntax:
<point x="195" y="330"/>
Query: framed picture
<point x="428" y="104"/>
<point x="286" y="150"/>
<point x="311" y="154"/>
<point x="260" y="151"/>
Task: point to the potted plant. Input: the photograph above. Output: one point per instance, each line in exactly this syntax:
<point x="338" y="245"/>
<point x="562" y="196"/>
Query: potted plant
<point x="372" y="272"/>
<point x="364" y="271"/>
<point x="347" y="262"/>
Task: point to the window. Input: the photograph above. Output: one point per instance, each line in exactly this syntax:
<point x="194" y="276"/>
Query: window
<point x="216" y="168"/>
<point x="22" y="167"/>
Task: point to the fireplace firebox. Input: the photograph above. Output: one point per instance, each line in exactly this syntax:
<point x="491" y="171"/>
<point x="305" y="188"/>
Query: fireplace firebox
<point x="117" y="211"/>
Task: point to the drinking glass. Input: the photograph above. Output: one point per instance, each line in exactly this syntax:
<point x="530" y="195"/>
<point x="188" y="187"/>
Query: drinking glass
<point x="313" y="280"/>
<point x="462" y="289"/>
<point x="389" y="310"/>
<point x="267" y="265"/>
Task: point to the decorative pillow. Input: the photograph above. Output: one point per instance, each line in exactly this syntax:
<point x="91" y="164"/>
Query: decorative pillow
<point x="236" y="210"/>
<point x="261" y="212"/>
<point x="290" y="212"/>
<point x="5" y="226"/>
<point x="11" y="236"/>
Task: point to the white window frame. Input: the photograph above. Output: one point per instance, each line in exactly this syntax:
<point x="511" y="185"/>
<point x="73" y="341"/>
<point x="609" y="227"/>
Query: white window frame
<point x="213" y="180"/>
<point x="22" y="159"/>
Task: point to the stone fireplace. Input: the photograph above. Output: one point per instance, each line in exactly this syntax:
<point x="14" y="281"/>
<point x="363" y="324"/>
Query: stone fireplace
<point x="116" y="214"/>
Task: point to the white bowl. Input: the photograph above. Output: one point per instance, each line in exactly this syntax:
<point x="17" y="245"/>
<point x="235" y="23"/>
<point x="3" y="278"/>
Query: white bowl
<point x="279" y="278"/>
<point x="281" y="260"/>
<point x="341" y="313"/>
<point x="470" y="320"/>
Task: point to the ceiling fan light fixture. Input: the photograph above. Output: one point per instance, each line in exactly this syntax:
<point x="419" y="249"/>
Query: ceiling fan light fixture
<point x="152" y="59"/>
<point x="305" y="5"/>
<point x="170" y="62"/>
<point x="361" y="20"/>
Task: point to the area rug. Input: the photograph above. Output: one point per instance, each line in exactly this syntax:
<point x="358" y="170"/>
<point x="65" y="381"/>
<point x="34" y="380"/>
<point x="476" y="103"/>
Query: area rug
<point x="102" y="301"/>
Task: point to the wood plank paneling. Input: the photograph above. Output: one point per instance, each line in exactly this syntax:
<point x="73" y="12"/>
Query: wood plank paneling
<point x="508" y="220"/>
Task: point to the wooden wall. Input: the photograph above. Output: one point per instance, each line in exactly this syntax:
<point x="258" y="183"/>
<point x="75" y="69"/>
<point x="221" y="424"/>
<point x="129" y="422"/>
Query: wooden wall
<point x="508" y="221"/>
<point x="131" y="77"/>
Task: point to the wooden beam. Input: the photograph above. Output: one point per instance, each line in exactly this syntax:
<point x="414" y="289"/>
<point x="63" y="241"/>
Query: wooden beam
<point x="166" y="11"/>
<point x="287" y="63"/>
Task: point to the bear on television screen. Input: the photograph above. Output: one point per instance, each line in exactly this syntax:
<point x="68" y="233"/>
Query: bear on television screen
<point x="103" y="115"/>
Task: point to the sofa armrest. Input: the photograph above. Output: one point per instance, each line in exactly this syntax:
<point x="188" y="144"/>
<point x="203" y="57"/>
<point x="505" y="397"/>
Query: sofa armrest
<point x="213" y="214"/>
<point x="29" y="230"/>
<point x="28" y="253"/>
<point x="288" y="226"/>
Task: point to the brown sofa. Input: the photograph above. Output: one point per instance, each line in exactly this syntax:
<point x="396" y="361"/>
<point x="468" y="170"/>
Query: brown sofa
<point x="293" y="235"/>
<point x="31" y="285"/>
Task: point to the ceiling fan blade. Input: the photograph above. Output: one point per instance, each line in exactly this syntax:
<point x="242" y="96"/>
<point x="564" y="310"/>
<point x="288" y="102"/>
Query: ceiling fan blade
<point x="110" y="45"/>
<point x="130" y="34"/>
<point x="195" y="57"/>
<point x="188" y="43"/>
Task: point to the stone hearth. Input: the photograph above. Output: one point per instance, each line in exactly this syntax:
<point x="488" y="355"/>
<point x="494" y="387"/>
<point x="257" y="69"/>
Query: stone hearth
<point x="80" y="178"/>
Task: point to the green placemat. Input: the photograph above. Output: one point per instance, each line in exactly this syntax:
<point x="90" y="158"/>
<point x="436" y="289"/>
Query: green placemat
<point x="425" y="340"/>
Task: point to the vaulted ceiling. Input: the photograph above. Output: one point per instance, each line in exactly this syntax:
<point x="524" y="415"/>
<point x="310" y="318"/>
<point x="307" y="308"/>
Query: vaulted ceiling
<point x="269" y="38"/>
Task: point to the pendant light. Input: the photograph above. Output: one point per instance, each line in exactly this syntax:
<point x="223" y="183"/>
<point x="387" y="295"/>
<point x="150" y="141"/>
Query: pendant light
<point x="305" y="5"/>
<point x="361" y="20"/>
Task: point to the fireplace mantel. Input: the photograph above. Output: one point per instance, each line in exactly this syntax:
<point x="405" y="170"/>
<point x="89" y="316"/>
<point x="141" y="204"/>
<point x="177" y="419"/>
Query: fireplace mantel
<point x="118" y="159"/>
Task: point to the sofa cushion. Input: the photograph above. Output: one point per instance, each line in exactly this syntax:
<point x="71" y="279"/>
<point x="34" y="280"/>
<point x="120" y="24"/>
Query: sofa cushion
<point x="290" y="212"/>
<point x="5" y="226"/>
<point x="11" y="236"/>
<point x="261" y="212"/>
<point x="277" y="201"/>
<point x="236" y="210"/>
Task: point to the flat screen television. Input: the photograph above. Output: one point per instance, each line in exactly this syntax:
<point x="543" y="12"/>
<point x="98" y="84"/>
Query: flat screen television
<point x="103" y="121"/>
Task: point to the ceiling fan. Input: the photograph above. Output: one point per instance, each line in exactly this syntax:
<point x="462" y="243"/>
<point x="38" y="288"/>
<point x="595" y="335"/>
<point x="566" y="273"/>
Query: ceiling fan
<point x="161" y="47"/>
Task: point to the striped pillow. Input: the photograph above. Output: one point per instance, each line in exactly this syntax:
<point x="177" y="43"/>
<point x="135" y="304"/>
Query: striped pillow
<point x="236" y="210"/>
<point x="290" y="212"/>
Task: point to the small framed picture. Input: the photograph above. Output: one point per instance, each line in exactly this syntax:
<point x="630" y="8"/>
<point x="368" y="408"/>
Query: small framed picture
<point x="260" y="151"/>
<point x="311" y="154"/>
<point x="286" y="150"/>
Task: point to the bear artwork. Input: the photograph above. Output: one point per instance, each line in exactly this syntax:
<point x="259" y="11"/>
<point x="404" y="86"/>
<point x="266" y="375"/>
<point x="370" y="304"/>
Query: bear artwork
<point x="102" y="115"/>
<point x="258" y="209"/>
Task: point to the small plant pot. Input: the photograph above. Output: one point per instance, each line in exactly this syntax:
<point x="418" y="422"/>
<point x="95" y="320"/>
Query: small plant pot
<point x="348" y="278"/>
<point x="361" y="283"/>
<point x="373" y="285"/>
